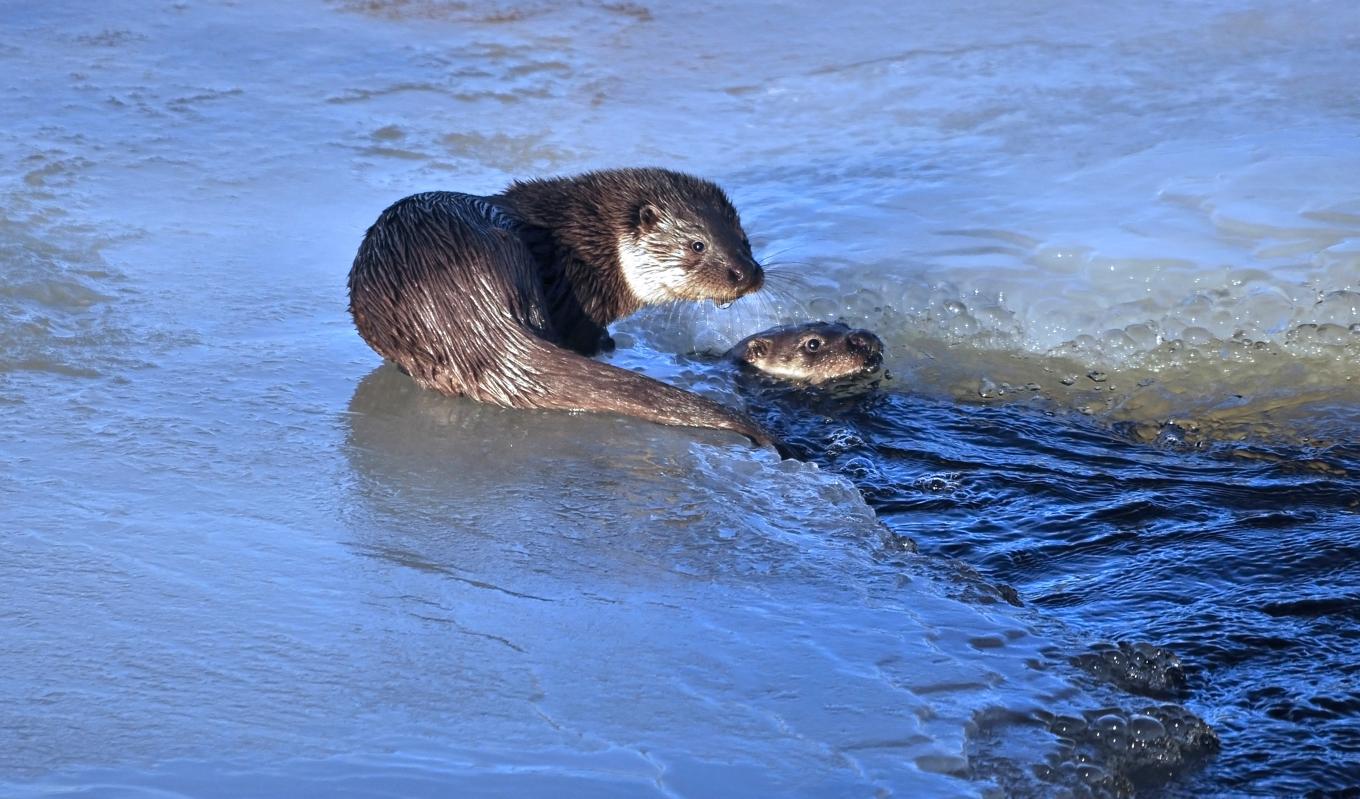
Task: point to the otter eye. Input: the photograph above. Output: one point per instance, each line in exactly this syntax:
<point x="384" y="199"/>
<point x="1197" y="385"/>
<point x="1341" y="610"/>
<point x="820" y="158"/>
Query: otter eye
<point x="698" y="246"/>
<point x="812" y="344"/>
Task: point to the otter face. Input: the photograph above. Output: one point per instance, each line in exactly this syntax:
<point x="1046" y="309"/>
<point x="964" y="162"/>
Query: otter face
<point x="684" y="253"/>
<point x="811" y="353"/>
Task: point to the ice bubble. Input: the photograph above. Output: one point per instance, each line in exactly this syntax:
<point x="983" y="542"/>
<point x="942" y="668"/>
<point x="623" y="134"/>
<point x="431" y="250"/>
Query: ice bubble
<point x="1109" y="725"/>
<point x="1144" y="728"/>
<point x="1197" y="336"/>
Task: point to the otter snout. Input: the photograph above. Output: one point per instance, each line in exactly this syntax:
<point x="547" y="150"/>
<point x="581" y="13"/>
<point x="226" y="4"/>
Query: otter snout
<point x="865" y="342"/>
<point x="745" y="277"/>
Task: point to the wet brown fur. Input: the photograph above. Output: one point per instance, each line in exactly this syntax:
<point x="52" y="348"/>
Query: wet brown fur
<point x="501" y="298"/>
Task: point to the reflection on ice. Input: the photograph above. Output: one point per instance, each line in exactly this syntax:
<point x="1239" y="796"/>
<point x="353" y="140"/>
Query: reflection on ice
<point x="560" y="556"/>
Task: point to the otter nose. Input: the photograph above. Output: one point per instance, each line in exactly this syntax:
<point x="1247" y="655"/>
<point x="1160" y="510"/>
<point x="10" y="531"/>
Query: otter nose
<point x="864" y="341"/>
<point x="749" y="277"/>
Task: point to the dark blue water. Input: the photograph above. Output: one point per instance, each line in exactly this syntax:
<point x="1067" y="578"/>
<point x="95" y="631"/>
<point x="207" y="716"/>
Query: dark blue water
<point x="1241" y="560"/>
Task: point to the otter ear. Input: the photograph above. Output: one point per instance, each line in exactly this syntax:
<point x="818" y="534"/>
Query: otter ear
<point x="648" y="216"/>
<point x="756" y="349"/>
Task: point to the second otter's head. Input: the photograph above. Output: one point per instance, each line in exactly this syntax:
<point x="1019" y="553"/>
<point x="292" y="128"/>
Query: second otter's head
<point x="681" y="239"/>
<point x="814" y="352"/>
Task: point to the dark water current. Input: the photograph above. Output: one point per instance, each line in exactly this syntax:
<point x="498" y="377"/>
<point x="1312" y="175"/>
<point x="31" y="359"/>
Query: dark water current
<point x="1239" y="563"/>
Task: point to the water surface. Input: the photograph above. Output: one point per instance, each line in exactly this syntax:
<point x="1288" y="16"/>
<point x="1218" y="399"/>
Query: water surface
<point x="243" y="558"/>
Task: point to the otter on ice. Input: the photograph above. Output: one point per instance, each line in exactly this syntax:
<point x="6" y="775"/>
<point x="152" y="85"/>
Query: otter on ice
<point x="501" y="298"/>
<point x="813" y="352"/>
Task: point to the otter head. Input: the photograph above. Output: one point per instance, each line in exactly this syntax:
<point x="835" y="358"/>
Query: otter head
<point x="810" y="353"/>
<point x="685" y="242"/>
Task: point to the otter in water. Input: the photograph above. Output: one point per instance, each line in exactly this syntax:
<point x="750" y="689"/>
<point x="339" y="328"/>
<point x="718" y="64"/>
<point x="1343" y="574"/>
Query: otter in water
<point x="813" y="352"/>
<point x="501" y="298"/>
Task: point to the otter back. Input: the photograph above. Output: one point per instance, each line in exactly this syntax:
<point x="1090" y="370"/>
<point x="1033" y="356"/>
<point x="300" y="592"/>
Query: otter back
<point x="443" y="287"/>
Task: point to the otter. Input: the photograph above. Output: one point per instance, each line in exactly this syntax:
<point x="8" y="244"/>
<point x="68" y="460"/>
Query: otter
<point x="813" y="352"/>
<point x="503" y="298"/>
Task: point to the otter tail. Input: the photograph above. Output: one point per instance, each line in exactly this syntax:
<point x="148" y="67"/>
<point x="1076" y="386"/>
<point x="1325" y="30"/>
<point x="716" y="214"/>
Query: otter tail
<point x="571" y="382"/>
<point x="535" y="373"/>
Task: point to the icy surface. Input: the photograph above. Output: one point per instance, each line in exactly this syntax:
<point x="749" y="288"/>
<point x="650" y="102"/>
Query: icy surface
<point x="240" y="557"/>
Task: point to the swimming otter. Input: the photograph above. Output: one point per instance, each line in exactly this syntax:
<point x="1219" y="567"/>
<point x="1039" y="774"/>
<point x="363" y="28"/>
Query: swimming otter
<point x="813" y="352"/>
<point x="500" y="298"/>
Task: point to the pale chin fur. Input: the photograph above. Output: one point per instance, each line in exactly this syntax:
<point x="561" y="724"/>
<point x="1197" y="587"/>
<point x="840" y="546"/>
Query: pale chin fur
<point x="776" y="370"/>
<point x="650" y="281"/>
